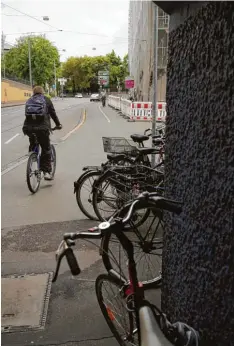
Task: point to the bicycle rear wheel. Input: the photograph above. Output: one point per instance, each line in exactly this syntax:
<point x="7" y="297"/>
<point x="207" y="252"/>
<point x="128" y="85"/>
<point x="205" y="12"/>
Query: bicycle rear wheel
<point x="84" y="193"/>
<point x="33" y="173"/>
<point x="115" y="309"/>
<point x="53" y="160"/>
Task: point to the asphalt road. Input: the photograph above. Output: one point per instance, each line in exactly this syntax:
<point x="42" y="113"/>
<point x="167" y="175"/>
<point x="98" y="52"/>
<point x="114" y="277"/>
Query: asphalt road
<point x="15" y="144"/>
<point x="55" y="201"/>
<point x="33" y="225"/>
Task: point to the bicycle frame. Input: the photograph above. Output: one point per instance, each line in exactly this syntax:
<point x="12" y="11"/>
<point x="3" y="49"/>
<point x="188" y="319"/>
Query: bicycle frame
<point x="133" y="287"/>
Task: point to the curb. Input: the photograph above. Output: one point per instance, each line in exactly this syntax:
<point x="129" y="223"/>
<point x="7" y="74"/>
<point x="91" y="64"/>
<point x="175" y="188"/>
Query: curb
<point x="14" y="105"/>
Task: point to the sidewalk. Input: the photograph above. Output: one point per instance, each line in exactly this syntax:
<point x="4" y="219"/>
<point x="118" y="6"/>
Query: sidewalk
<point x="65" y="314"/>
<point x="12" y="104"/>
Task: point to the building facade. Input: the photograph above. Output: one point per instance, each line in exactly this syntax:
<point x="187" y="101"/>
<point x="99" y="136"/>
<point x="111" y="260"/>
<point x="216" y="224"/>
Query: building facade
<point x="141" y="49"/>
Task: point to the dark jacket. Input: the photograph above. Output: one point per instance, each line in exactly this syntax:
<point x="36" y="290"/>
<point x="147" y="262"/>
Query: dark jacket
<point x="46" y="124"/>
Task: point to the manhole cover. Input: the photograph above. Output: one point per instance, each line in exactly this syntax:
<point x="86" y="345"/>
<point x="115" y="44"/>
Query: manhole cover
<point x="25" y="302"/>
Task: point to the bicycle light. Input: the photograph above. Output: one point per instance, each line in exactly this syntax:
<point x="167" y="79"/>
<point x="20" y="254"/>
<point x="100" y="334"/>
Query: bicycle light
<point x="104" y="225"/>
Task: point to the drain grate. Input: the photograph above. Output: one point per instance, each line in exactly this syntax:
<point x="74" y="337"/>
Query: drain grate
<point x="25" y="300"/>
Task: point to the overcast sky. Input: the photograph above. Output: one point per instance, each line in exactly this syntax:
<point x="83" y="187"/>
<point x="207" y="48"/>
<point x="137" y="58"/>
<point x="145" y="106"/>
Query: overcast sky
<point x="102" y="24"/>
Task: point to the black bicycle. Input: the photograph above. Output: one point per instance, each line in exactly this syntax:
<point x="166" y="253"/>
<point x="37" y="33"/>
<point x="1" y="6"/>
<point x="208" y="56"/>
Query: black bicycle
<point x="120" y="152"/>
<point x="33" y="170"/>
<point x="124" y="307"/>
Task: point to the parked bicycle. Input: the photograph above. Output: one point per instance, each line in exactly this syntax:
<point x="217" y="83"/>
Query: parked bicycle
<point x="120" y="152"/>
<point x="33" y="172"/>
<point x="132" y="319"/>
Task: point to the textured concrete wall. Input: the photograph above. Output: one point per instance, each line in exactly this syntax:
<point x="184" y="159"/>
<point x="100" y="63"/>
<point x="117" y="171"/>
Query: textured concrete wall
<point x="198" y="261"/>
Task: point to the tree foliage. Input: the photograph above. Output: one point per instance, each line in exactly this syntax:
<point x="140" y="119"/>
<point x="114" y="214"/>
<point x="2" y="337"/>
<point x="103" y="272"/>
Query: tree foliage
<point x="43" y="57"/>
<point x="83" y="71"/>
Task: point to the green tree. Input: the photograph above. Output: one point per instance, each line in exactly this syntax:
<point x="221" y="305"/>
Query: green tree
<point x="43" y="57"/>
<point x="83" y="71"/>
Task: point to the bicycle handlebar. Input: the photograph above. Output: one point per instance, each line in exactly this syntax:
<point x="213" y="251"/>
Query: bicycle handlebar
<point x="145" y="199"/>
<point x="158" y="201"/>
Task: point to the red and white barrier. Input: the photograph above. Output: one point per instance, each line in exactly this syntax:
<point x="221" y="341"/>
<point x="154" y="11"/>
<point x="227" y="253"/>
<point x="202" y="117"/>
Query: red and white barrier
<point x="162" y="112"/>
<point x="141" y="111"/>
<point x="126" y="107"/>
<point x="114" y="101"/>
<point x="138" y="111"/>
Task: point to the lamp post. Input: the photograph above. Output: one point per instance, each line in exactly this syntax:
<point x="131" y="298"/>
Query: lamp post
<point x="55" y="74"/>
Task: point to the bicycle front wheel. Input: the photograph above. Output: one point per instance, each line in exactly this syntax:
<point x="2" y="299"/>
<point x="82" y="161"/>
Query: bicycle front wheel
<point x="120" y="318"/>
<point x="84" y="193"/>
<point x="53" y="160"/>
<point x="147" y="241"/>
<point x="33" y="173"/>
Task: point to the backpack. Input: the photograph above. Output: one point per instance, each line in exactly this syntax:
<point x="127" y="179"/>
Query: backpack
<point x="36" y="108"/>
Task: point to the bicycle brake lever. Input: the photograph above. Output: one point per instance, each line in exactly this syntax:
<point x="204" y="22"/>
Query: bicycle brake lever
<point x="57" y="268"/>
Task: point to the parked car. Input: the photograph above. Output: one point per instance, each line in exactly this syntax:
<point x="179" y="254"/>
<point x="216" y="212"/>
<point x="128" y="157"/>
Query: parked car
<point x="95" y="97"/>
<point x="79" y="96"/>
<point x="63" y="95"/>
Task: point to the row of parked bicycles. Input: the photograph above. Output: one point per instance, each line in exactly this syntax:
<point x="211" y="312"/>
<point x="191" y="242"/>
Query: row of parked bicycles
<point x="126" y="194"/>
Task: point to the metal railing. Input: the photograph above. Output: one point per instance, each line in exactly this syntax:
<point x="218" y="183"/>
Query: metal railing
<point x="163" y="22"/>
<point x="162" y="57"/>
<point x="16" y="79"/>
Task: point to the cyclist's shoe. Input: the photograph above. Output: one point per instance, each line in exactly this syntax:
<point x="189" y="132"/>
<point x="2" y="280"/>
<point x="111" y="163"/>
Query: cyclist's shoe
<point x="48" y="176"/>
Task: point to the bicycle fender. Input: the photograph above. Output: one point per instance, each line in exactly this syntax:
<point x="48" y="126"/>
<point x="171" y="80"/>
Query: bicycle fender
<point x="101" y="247"/>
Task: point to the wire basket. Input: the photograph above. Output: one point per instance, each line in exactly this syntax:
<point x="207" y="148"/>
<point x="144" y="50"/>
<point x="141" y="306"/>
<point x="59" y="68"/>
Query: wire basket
<point x="118" y="145"/>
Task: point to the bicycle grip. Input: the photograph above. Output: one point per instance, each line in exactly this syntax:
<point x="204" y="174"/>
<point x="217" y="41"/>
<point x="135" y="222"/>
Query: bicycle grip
<point x="72" y="262"/>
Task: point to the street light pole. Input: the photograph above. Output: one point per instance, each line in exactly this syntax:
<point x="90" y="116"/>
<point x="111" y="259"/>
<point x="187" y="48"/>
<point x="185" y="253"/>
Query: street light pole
<point x="29" y="61"/>
<point x="155" y="74"/>
<point x="55" y="80"/>
<point x="3" y="55"/>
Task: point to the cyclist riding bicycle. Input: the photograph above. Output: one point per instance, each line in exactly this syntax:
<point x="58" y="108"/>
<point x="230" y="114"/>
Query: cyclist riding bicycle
<point x="103" y="98"/>
<point x="38" y="110"/>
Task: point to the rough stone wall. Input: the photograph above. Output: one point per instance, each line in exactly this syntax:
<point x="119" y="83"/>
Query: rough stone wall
<point x="198" y="260"/>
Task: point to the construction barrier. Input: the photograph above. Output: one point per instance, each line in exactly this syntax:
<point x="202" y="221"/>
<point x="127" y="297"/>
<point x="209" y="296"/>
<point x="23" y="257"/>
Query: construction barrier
<point x="126" y="107"/>
<point x="137" y="111"/>
<point x="114" y="101"/>
<point x="141" y="111"/>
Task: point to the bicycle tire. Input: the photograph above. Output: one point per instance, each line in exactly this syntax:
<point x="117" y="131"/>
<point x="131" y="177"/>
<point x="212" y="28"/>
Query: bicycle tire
<point x="106" y="311"/>
<point x="32" y="157"/>
<point x="107" y="253"/>
<point x="53" y="160"/>
<point x="96" y="190"/>
<point x="81" y="181"/>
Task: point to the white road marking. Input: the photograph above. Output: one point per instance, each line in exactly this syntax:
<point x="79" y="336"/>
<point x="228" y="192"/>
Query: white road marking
<point x="104" y="114"/>
<point x="77" y="127"/>
<point x="11" y="139"/>
<point x="7" y="170"/>
<point x="4" y="114"/>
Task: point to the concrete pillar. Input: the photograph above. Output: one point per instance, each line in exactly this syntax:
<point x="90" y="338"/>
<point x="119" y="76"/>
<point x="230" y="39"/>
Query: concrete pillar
<point x="198" y="258"/>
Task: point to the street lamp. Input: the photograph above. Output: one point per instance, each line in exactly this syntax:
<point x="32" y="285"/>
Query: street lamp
<point x="55" y="77"/>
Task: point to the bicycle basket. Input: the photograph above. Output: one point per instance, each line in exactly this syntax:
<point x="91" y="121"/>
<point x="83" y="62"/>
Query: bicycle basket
<point x="118" y="145"/>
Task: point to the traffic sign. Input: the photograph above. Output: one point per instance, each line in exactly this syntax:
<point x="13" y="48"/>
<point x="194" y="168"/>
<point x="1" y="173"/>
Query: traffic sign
<point x="62" y="80"/>
<point x="129" y="82"/>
